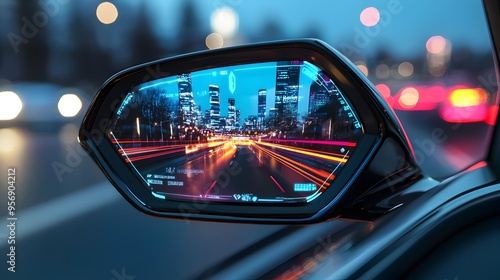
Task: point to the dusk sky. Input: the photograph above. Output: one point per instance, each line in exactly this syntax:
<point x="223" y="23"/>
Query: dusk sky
<point x="404" y="26"/>
<point x="249" y="80"/>
<point x="402" y="31"/>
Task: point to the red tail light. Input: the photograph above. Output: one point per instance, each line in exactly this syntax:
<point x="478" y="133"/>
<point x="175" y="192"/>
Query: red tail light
<point x="465" y="105"/>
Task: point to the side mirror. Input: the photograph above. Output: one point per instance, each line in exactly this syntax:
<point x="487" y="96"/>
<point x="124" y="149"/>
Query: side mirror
<point x="283" y="132"/>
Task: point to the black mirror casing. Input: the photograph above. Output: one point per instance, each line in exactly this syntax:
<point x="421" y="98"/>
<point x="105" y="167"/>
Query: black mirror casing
<point x="382" y="157"/>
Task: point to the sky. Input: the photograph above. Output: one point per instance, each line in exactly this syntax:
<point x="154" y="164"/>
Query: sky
<point x="249" y="79"/>
<point x="402" y="31"/>
<point x="404" y="27"/>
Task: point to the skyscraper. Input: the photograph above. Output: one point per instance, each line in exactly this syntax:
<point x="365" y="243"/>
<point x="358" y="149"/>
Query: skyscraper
<point x="231" y="112"/>
<point x="238" y="119"/>
<point x="320" y="107"/>
<point x="213" y="92"/>
<point x="287" y="92"/>
<point x="261" y="109"/>
<point x="197" y="116"/>
<point x="273" y="118"/>
<point x="206" y="118"/>
<point x="320" y="93"/>
<point x="186" y="101"/>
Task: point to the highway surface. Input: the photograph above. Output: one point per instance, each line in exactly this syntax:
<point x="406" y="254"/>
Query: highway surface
<point x="250" y="170"/>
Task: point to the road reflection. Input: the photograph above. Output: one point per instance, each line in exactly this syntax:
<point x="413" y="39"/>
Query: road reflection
<point x="237" y="168"/>
<point x="11" y="144"/>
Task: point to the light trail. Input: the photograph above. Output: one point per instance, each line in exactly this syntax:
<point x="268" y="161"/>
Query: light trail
<point x="142" y="150"/>
<point x="148" y="152"/>
<point x="132" y="141"/>
<point x="310" y="150"/>
<point x="154" y="155"/>
<point x="317" y="176"/>
<point x="320" y="142"/>
<point x="331" y="174"/>
<point x="304" y="152"/>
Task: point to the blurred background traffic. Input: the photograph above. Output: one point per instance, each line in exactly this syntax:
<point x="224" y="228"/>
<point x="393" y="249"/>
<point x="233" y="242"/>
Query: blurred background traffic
<point x="431" y="60"/>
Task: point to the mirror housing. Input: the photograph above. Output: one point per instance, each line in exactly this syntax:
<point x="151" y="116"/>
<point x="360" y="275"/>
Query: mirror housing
<point x="142" y="131"/>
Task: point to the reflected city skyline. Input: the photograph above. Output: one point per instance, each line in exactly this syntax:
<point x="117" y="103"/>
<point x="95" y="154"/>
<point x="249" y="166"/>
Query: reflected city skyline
<point x="286" y="95"/>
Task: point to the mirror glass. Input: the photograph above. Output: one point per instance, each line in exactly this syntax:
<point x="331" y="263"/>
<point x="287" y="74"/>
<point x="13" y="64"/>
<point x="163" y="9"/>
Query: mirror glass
<point x="274" y="132"/>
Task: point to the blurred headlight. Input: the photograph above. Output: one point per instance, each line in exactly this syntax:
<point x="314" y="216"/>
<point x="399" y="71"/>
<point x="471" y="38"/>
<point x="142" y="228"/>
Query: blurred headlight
<point x="10" y="105"/>
<point x="69" y="105"/>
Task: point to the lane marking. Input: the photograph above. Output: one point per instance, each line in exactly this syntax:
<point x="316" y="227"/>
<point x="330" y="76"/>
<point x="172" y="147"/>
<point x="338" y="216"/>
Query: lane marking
<point x="209" y="189"/>
<point x="277" y="184"/>
<point x="59" y="210"/>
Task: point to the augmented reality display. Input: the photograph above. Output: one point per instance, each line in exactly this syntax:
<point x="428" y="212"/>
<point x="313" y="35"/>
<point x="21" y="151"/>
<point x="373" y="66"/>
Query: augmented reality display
<point x="274" y="132"/>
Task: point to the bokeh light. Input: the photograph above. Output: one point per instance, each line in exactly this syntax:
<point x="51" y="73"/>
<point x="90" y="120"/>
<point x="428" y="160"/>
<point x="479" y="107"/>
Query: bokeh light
<point x="10" y="105"/>
<point x="466" y="97"/>
<point x="214" y="41"/>
<point x="435" y="44"/>
<point x="409" y="98"/>
<point x="69" y="105"/>
<point x="362" y="67"/>
<point x="384" y="90"/>
<point x="492" y="115"/>
<point x="405" y="69"/>
<point x="382" y="71"/>
<point x="438" y="55"/>
<point x="107" y="13"/>
<point x="224" y="21"/>
<point x="369" y="16"/>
